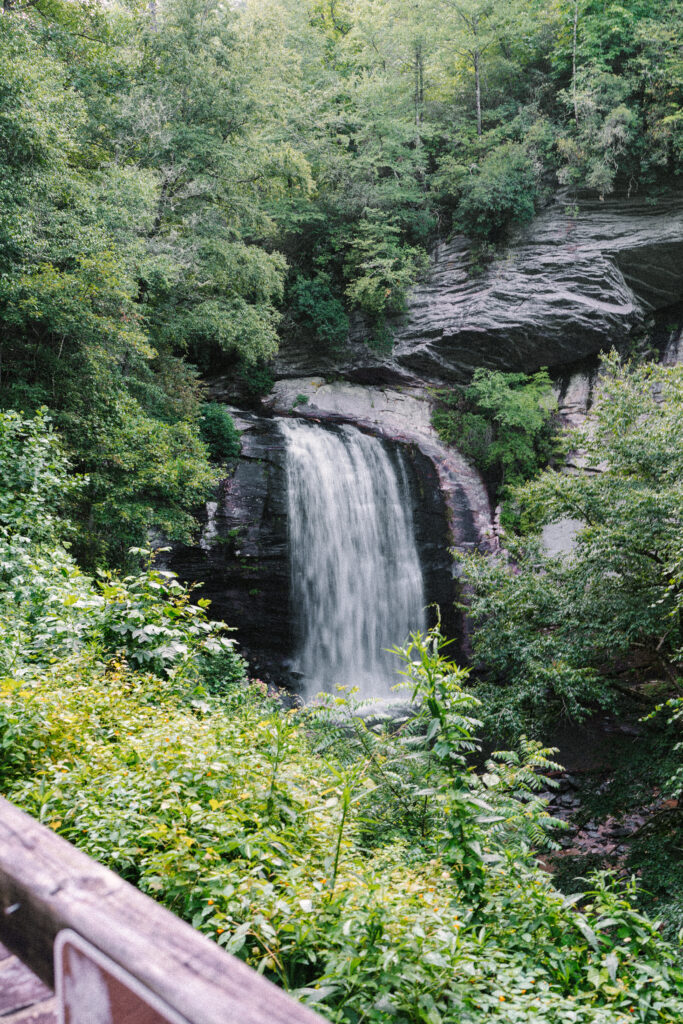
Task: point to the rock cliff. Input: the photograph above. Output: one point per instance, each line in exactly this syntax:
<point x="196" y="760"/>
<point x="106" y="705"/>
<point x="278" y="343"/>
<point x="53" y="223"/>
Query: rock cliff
<point x="403" y="416"/>
<point x="242" y="556"/>
<point x="578" y="280"/>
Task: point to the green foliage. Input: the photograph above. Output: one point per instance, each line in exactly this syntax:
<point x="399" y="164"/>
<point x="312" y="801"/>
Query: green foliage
<point x="148" y="620"/>
<point x="625" y="124"/>
<point x="51" y="611"/>
<point x="145" y="475"/>
<point x="381" y="269"/>
<point x="594" y="154"/>
<point x="502" y="193"/>
<point x="74" y="339"/>
<point x="135" y="177"/>
<point x="164" y="172"/>
<point x="562" y="635"/>
<point x="675" y="709"/>
<point x="417" y="783"/>
<point x="219" y="433"/>
<point x="317" y="310"/>
<point x="35" y="479"/>
<point x="362" y="863"/>
<point x="256" y="380"/>
<point x="256" y="839"/>
<point x="503" y="422"/>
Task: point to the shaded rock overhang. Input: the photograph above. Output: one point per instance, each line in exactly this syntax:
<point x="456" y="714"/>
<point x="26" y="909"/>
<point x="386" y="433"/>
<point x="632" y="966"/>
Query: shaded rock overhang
<point x="577" y="281"/>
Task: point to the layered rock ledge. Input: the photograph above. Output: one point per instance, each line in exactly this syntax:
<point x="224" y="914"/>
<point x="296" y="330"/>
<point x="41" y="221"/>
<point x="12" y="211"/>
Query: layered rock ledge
<point x="578" y="280"/>
<point x="405" y="416"/>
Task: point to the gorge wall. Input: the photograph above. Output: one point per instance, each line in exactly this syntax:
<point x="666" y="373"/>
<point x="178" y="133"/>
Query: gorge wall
<point x="579" y="280"/>
<point x="582" y="277"/>
<point x="243" y="557"/>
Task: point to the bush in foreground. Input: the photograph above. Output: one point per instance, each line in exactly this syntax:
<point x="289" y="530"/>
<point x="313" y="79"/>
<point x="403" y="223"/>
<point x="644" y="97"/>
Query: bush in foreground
<point x="361" y="863"/>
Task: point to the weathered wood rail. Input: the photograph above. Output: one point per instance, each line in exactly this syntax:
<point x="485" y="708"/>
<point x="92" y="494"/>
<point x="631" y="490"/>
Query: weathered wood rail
<point x="47" y="885"/>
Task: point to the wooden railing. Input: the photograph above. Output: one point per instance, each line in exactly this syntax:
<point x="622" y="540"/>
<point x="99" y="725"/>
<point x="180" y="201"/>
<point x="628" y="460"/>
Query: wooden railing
<point x="47" y="885"/>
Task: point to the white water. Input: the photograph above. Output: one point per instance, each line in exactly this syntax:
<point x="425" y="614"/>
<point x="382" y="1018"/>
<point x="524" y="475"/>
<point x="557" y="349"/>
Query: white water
<point x="356" y="581"/>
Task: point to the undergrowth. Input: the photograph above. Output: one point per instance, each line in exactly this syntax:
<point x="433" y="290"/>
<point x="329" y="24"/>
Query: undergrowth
<point x="361" y="862"/>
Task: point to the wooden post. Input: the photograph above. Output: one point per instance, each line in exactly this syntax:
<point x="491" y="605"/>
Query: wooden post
<point x="46" y="885"/>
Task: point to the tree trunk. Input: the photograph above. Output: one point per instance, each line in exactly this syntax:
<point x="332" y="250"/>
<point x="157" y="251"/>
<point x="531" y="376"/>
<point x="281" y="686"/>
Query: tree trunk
<point x="336" y="24"/>
<point x="477" y="87"/>
<point x="419" y="102"/>
<point x="161" y="203"/>
<point x="574" y="44"/>
<point x="419" y="87"/>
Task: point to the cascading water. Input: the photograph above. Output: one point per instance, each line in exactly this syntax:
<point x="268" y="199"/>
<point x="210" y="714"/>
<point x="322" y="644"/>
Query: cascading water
<point x="356" y="580"/>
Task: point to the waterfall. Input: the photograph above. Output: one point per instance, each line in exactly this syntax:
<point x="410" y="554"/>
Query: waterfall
<point x="356" y="581"/>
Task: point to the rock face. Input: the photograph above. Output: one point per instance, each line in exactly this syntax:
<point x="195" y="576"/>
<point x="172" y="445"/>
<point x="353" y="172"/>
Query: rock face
<point x="578" y="280"/>
<point x="243" y="556"/>
<point x="673" y="350"/>
<point x="405" y="416"/>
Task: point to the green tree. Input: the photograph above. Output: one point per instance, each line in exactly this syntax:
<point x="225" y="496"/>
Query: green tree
<point x="136" y="166"/>
<point x="72" y="249"/>
<point x="473" y="41"/>
<point x="565" y="634"/>
<point x="503" y="192"/>
<point x="504" y="422"/>
<point x="625" y="130"/>
<point x="189" y="121"/>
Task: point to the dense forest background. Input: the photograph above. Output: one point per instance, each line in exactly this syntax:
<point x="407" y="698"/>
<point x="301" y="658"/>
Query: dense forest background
<point x="183" y="186"/>
<point x="185" y="183"/>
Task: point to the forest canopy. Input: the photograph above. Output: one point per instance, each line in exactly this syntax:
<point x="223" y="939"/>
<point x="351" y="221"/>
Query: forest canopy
<point x="183" y="184"/>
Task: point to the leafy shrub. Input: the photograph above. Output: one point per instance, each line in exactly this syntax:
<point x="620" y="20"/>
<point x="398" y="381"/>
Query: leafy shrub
<point x="262" y="843"/>
<point x="24" y="732"/>
<point x="35" y="479"/>
<point x="503" y="422"/>
<point x="149" y="620"/>
<point x="318" y="310"/>
<point x="257" y="380"/>
<point x="563" y="635"/>
<point x="50" y="610"/>
<point x="422" y="788"/>
<point x="381" y="268"/>
<point x="219" y="672"/>
<point x="219" y="433"/>
<point x="145" y="476"/>
<point x="501" y="193"/>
